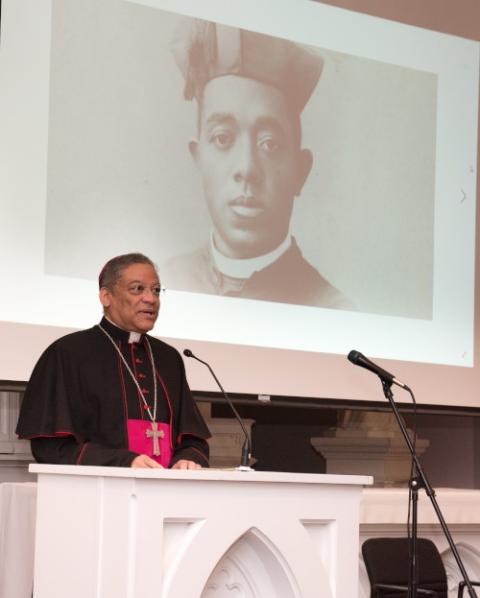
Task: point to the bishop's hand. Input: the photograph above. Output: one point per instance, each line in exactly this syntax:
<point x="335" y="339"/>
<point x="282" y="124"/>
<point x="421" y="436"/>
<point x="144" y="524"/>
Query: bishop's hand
<point x="145" y="461"/>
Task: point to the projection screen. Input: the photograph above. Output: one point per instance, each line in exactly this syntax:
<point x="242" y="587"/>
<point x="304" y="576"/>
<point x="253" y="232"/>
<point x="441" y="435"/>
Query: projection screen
<point x="99" y="156"/>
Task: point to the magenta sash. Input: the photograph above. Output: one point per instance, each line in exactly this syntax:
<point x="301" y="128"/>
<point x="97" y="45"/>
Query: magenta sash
<point x="142" y="439"/>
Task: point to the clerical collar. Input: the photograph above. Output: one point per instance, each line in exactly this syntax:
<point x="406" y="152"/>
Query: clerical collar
<point x="119" y="333"/>
<point x="244" y="268"/>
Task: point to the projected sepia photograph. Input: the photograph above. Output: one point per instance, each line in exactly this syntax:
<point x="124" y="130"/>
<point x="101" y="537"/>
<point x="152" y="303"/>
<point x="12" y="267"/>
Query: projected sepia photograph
<point x="246" y="165"/>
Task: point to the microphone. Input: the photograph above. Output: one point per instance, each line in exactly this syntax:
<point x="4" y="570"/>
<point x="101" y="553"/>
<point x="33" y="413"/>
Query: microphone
<point x="246" y="449"/>
<point x="358" y="358"/>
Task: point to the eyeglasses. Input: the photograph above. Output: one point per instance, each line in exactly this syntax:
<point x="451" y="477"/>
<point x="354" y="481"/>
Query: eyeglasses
<point x="139" y="289"/>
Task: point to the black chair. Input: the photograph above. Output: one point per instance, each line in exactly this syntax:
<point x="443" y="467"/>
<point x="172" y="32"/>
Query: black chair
<point x="387" y="562"/>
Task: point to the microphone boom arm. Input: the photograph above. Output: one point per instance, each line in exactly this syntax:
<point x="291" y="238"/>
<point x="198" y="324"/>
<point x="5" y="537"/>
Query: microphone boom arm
<point x="246" y="448"/>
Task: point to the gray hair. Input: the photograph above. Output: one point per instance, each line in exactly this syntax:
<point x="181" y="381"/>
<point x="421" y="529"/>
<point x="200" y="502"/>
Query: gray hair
<point x="113" y="269"/>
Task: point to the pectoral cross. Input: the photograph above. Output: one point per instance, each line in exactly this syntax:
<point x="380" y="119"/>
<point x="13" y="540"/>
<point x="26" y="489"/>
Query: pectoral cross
<point x="155" y="434"/>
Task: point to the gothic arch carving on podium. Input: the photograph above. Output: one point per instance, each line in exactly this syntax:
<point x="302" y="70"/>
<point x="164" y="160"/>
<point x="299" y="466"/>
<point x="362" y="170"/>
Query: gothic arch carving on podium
<point x="251" y="567"/>
<point x="249" y="561"/>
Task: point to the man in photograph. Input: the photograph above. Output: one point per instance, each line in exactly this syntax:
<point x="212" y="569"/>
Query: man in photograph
<point x="250" y="91"/>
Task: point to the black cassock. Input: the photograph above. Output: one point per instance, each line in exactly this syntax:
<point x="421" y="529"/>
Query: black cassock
<point x="81" y="399"/>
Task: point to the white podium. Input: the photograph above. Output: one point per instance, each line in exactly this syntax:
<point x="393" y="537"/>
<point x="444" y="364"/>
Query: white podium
<point x="121" y="533"/>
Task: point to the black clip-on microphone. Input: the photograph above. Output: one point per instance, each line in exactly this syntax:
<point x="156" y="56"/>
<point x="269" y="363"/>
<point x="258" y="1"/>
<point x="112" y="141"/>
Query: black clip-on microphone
<point x="419" y="479"/>
<point x="246" y="448"/>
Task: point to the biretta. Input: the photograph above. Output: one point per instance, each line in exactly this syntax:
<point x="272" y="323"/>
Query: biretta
<point x="205" y="50"/>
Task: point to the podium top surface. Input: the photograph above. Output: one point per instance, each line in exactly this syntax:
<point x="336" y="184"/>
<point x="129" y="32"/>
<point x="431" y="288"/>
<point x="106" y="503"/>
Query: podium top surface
<point x="205" y="475"/>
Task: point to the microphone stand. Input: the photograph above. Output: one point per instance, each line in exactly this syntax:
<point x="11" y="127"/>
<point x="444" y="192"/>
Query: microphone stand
<point x="419" y="480"/>
<point x="246" y="448"/>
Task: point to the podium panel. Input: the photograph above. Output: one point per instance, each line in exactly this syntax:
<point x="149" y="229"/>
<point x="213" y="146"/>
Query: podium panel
<point x="127" y="533"/>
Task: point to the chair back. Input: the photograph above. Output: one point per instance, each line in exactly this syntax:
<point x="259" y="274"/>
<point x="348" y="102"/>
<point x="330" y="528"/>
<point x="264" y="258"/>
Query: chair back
<point x="387" y="561"/>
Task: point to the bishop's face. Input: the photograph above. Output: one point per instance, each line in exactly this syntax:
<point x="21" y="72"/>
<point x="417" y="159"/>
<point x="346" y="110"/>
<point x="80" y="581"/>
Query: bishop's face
<point x="134" y="302"/>
<point x="250" y="163"/>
